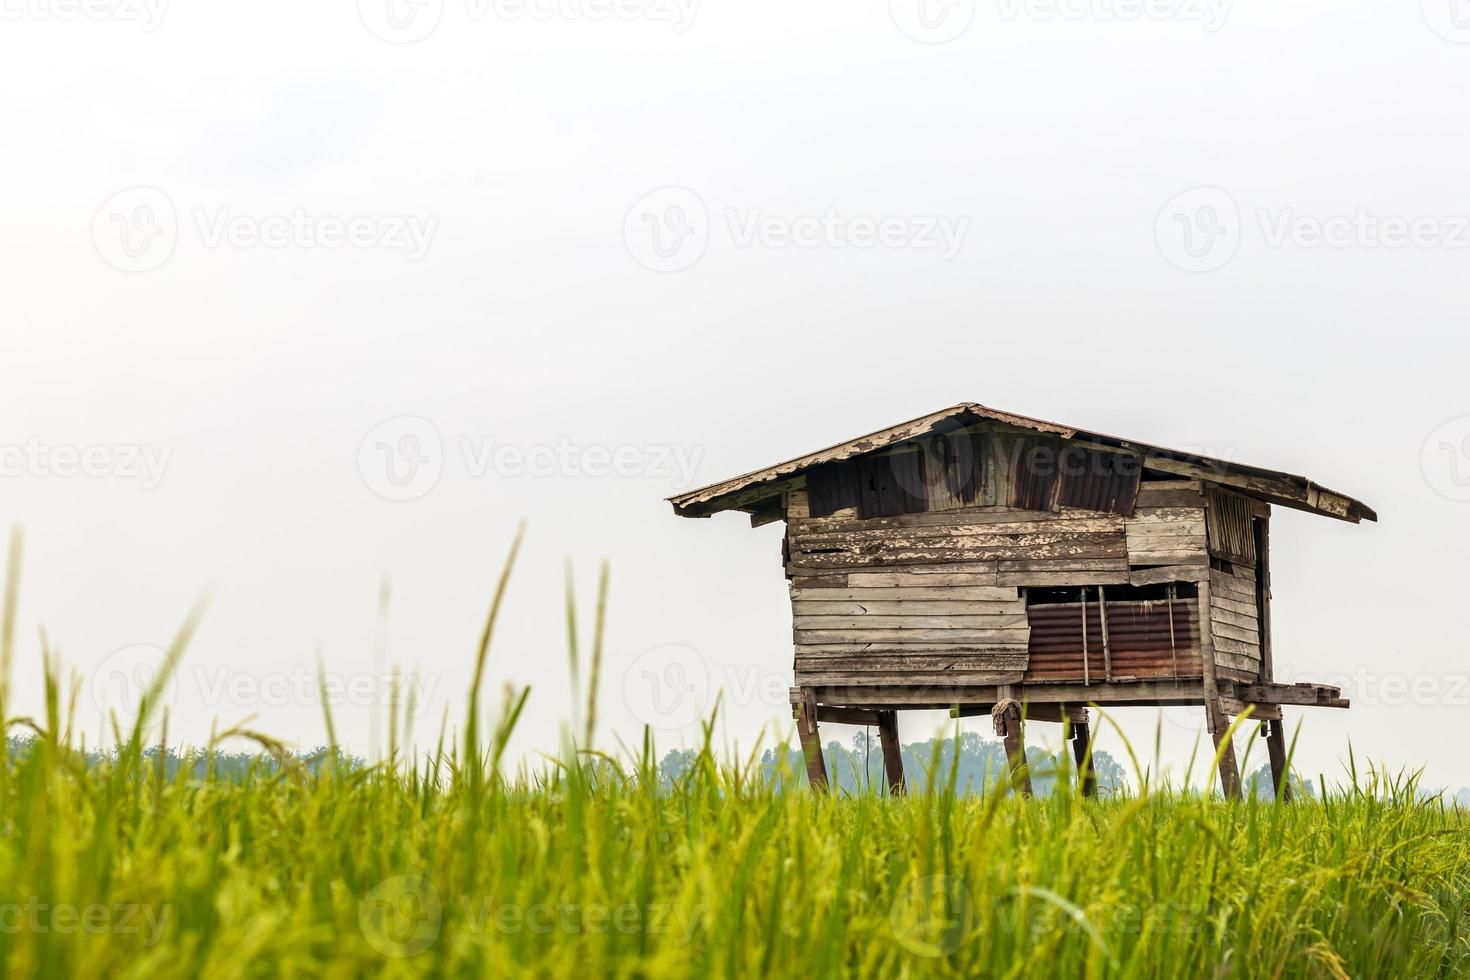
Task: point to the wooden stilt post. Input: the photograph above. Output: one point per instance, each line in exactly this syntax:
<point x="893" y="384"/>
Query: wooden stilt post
<point x="1215" y="719"/>
<point x="1007" y="716"/>
<point x="1081" y="751"/>
<point x="1276" y="749"/>
<point x="811" y="741"/>
<point x="892" y="753"/>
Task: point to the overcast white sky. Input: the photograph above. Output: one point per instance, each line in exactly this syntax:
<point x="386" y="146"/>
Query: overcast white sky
<point x="260" y="257"/>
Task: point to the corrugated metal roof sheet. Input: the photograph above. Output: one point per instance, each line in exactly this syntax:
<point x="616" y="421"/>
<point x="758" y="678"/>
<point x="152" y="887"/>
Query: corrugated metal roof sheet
<point x="1286" y="489"/>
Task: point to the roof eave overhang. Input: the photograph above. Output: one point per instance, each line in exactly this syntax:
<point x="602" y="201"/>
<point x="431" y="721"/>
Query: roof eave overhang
<point x="749" y="490"/>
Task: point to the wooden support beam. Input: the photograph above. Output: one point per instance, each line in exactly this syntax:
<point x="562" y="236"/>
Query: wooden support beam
<point x="1259" y="712"/>
<point x="1008" y="725"/>
<point x="1082" y="752"/>
<point x="1262" y="527"/>
<point x="1321" y="695"/>
<point x="847" y="716"/>
<point x="945" y="696"/>
<point x="1276" y="749"/>
<point x="811" y="742"/>
<point x="892" y="752"/>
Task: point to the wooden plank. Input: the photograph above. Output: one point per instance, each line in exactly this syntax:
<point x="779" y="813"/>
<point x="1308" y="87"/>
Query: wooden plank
<point x="990" y="636"/>
<point x="845" y="681"/>
<point x="1002" y="596"/>
<point x="979" y="577"/>
<point x="1236" y="661"/>
<point x="1015" y="641"/>
<point x="889" y="553"/>
<point x="810" y="607"/>
<point x="1230" y="604"/>
<point x="945" y="694"/>
<point x="834" y="580"/>
<point x="988" y="535"/>
<point x="1161" y="574"/>
<point x="1169" y="493"/>
<point x="1010" y="658"/>
<point x="1244" y="623"/>
<point x="1066" y="565"/>
<point x="1215" y="719"/>
<point x="954" y="518"/>
<point x="1044" y="579"/>
<point x="910" y="623"/>
<point x="1225" y="631"/>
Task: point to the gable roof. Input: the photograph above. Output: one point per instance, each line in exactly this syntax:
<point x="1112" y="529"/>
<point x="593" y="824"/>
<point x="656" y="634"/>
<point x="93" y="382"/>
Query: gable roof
<point x="744" y="492"/>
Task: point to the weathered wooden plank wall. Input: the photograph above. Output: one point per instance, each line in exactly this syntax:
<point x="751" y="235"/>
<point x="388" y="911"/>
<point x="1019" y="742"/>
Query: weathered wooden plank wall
<point x="930" y="586"/>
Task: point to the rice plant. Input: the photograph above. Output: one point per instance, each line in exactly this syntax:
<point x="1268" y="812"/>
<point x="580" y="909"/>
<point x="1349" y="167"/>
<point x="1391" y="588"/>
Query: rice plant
<point x="447" y="861"/>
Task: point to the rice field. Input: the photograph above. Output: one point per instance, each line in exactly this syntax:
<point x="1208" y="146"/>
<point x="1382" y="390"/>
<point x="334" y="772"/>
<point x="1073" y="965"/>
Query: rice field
<point x="447" y="861"/>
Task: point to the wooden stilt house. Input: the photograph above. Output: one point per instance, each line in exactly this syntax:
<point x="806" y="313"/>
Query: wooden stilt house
<point x="986" y="562"/>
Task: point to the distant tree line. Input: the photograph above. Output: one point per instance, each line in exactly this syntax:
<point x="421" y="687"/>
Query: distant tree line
<point x="975" y="763"/>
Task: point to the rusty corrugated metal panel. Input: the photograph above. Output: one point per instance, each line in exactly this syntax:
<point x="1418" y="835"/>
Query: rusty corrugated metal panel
<point x="1283" y="488"/>
<point x="1138" y="638"/>
<point x="1036" y="474"/>
<point x="1231" y="534"/>
<point x="1097" y="480"/>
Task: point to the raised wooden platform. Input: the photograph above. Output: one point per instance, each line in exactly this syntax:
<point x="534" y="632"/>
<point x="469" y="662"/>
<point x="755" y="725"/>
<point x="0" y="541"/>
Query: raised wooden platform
<point x="1011" y="706"/>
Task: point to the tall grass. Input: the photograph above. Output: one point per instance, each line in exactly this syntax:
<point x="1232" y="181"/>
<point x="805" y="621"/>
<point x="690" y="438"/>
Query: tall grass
<point x="443" y="863"/>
